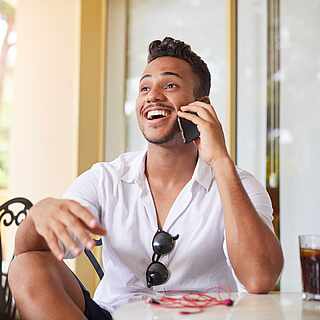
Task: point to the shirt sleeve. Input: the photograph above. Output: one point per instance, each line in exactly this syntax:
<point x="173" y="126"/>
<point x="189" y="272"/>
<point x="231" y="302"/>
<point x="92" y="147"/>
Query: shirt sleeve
<point x="263" y="205"/>
<point x="85" y="190"/>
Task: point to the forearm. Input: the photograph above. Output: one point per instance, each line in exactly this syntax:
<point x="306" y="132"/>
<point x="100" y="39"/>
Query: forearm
<point x="253" y="249"/>
<point x="28" y="239"/>
<point x="47" y="228"/>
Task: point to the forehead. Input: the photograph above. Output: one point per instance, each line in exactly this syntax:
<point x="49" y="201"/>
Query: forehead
<point x="168" y="64"/>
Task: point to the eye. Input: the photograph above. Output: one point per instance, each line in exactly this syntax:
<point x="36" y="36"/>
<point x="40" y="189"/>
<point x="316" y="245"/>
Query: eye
<point x="144" y="89"/>
<point x="170" y="85"/>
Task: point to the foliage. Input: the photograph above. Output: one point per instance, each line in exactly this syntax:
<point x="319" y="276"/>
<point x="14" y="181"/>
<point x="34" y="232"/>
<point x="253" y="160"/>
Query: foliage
<point x="6" y="9"/>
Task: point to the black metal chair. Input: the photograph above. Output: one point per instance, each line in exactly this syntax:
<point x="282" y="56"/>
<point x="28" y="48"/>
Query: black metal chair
<point x="9" y="214"/>
<point x="7" y="306"/>
<point x="93" y="259"/>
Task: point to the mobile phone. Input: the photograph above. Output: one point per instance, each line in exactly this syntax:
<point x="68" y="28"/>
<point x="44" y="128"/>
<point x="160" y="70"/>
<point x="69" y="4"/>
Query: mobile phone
<point x="188" y="129"/>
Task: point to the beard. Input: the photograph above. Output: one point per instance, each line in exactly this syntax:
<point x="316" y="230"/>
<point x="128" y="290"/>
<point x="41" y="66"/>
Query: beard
<point x="173" y="133"/>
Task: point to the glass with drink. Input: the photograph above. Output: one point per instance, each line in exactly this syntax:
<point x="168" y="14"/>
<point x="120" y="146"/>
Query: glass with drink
<point x="310" y="266"/>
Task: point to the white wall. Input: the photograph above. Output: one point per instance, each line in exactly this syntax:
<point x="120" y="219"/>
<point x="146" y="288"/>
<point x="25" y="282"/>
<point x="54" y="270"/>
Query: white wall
<point x="43" y="142"/>
<point x="45" y="112"/>
<point x="300" y="114"/>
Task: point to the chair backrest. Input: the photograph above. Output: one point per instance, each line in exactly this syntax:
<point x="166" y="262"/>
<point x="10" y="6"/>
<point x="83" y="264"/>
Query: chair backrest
<point x="7" y="305"/>
<point x="8" y="309"/>
<point x="9" y="214"/>
<point x="14" y="211"/>
<point x="93" y="259"/>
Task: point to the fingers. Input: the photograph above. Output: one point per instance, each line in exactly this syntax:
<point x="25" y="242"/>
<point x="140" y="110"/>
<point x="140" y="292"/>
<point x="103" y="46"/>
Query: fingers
<point x="198" y="106"/>
<point x="53" y="245"/>
<point x="63" y="234"/>
<point x="82" y="213"/>
<point x="193" y="118"/>
<point x="99" y="230"/>
<point x="79" y="229"/>
<point x="81" y="223"/>
<point x="86" y="216"/>
<point x="199" y="111"/>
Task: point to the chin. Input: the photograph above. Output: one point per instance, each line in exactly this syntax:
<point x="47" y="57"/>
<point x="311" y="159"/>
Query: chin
<point x="162" y="136"/>
<point x="172" y="138"/>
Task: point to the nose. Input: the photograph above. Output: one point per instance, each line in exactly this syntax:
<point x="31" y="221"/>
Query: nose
<point x="154" y="95"/>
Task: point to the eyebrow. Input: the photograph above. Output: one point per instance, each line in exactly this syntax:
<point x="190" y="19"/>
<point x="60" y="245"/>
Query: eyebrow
<point x="167" y="73"/>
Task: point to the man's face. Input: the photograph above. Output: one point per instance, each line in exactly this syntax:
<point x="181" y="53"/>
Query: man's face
<point x="167" y="83"/>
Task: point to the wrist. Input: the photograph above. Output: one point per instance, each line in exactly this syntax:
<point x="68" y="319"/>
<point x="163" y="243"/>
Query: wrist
<point x="31" y="215"/>
<point x="32" y="218"/>
<point x="223" y="168"/>
<point x="221" y="162"/>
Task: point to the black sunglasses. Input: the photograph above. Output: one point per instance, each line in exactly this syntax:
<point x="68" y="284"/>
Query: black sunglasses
<point x="157" y="273"/>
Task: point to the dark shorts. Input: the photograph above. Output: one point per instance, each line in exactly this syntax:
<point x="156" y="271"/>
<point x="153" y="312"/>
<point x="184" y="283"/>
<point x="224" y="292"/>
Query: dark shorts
<point x="92" y="310"/>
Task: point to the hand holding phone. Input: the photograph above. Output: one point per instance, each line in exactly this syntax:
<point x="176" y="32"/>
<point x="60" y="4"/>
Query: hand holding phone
<point x="188" y="129"/>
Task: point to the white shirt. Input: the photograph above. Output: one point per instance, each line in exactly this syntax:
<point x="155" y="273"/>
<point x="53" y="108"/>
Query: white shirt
<point x="118" y="194"/>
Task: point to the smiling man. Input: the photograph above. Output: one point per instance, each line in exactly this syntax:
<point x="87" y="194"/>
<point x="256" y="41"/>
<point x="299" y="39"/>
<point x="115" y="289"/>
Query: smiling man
<point x="179" y="216"/>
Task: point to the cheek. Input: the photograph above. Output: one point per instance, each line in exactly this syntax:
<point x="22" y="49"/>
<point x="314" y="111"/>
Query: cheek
<point x="139" y="104"/>
<point x="184" y="99"/>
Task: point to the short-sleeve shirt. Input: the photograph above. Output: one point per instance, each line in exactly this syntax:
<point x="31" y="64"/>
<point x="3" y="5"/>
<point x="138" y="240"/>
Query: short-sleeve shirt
<point x="118" y="194"/>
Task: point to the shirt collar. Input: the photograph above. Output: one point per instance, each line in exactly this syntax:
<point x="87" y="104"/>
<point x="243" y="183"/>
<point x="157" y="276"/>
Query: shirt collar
<point x="135" y="172"/>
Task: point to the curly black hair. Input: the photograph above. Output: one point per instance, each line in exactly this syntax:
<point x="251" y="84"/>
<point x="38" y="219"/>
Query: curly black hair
<point x="178" y="49"/>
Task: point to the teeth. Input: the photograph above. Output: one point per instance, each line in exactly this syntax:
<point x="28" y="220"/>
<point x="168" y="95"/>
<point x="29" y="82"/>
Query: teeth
<point x="153" y="113"/>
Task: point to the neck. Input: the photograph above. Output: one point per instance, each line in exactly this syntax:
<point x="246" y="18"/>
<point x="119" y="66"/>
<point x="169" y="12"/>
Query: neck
<point x="171" y="165"/>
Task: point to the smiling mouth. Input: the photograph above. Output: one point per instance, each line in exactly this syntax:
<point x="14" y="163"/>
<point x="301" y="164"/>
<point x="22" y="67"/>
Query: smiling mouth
<point x="157" y="114"/>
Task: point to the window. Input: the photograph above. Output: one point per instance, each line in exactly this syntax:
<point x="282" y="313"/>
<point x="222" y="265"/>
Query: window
<point x="202" y="24"/>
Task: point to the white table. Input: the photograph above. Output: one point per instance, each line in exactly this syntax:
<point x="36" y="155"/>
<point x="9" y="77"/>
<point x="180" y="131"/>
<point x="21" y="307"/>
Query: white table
<point x="272" y="306"/>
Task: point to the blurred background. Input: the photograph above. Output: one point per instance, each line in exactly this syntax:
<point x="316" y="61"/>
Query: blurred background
<point x="69" y="75"/>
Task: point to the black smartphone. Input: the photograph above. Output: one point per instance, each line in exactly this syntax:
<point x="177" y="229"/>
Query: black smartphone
<point x="188" y="129"/>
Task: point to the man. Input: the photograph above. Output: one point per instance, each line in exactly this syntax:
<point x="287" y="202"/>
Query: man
<point x="177" y="209"/>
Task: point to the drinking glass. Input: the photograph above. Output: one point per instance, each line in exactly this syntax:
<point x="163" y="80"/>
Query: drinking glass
<point x="310" y="266"/>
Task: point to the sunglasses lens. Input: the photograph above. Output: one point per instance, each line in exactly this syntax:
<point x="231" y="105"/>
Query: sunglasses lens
<point x="156" y="274"/>
<point x="162" y="243"/>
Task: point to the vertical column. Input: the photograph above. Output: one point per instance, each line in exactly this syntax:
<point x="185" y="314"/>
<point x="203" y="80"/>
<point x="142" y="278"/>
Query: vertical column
<point x="117" y="41"/>
<point x="232" y="77"/>
<point x="273" y="109"/>
<point x="91" y="104"/>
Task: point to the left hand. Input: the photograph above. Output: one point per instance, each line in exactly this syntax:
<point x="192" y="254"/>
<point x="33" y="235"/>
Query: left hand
<point x="211" y="144"/>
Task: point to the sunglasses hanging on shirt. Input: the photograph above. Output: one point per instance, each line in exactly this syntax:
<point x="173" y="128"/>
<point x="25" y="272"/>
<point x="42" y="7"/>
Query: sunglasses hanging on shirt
<point x="157" y="273"/>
